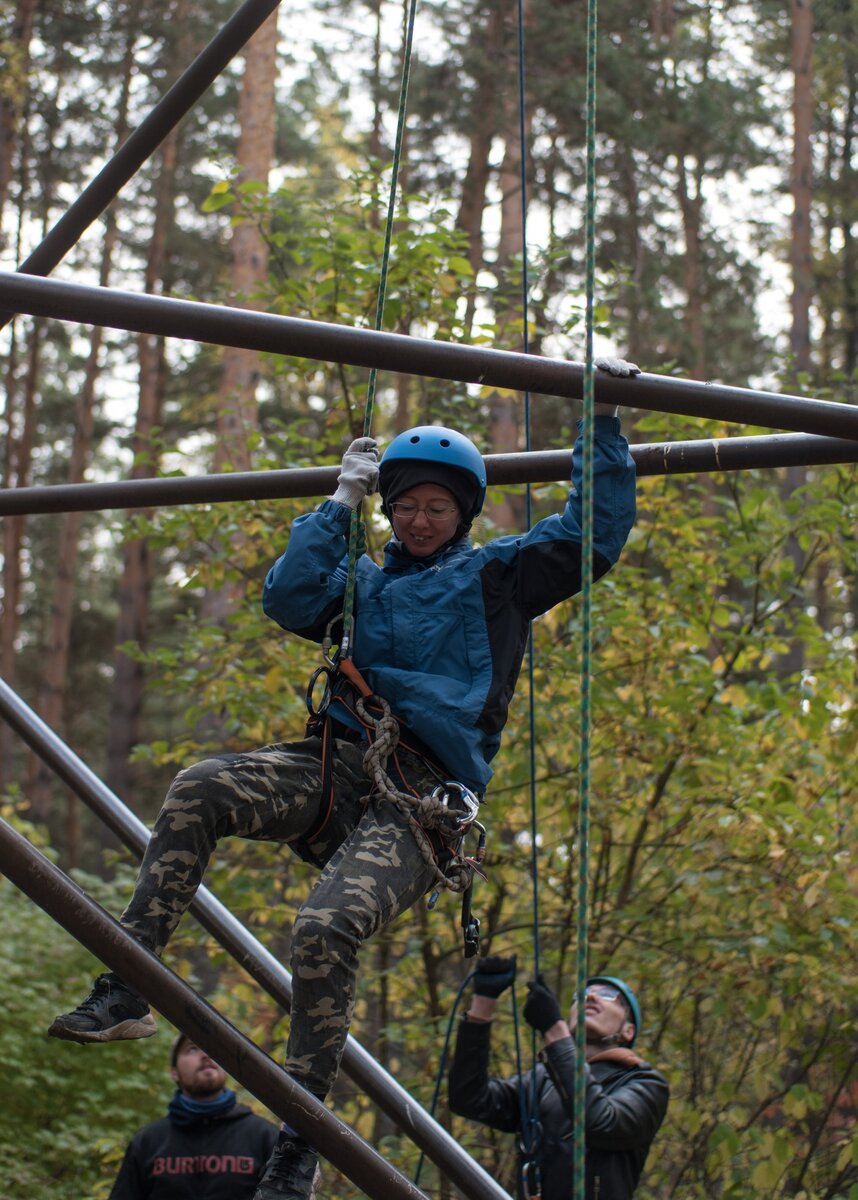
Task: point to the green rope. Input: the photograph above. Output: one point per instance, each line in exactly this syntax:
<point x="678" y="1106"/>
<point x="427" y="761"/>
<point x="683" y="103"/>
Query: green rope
<point x="357" y="534"/>
<point x="586" y="630"/>
<point x="530" y="1128"/>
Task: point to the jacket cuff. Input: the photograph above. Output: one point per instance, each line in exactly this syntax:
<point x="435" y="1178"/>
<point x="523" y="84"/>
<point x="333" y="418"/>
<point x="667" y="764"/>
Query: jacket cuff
<point x="605" y="427"/>
<point x="339" y="514"/>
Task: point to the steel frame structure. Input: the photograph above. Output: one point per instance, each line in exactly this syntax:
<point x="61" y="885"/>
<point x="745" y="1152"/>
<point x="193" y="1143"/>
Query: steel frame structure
<point x="248" y="952"/>
<point x="823" y="432"/>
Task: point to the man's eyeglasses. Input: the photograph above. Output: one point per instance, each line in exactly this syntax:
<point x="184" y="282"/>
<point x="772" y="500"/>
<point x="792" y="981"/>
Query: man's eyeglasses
<point x="603" y="991"/>
<point x="437" y="510"/>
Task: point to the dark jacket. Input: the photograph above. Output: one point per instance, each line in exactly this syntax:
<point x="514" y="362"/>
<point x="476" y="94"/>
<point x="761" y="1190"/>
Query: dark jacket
<point x="626" y="1103"/>
<point x="442" y="638"/>
<point x="215" y="1158"/>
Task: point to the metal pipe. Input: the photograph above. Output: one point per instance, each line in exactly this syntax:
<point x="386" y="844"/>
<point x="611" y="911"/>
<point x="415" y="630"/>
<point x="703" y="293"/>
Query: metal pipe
<point x="252" y="330"/>
<point x="145" y="139"/>
<point x="681" y="458"/>
<point x="384" y="1091"/>
<point x="542" y="466"/>
<point x="104" y="937"/>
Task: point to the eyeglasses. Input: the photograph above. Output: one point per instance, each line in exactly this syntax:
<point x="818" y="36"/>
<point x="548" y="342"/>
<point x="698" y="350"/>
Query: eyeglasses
<point x="603" y="991"/>
<point x="436" y="510"/>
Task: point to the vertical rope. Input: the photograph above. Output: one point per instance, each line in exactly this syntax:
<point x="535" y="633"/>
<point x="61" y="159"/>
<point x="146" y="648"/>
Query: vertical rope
<point x="356" y="540"/>
<point x="586" y="628"/>
<point x="529" y="1104"/>
<point x="525" y="311"/>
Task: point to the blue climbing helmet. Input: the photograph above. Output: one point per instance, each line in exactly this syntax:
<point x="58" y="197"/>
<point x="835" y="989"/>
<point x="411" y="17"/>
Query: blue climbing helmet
<point x="433" y="454"/>
<point x="627" y="994"/>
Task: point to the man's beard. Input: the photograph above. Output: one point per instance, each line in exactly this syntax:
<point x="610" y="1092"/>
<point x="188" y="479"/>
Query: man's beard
<point x="204" y="1091"/>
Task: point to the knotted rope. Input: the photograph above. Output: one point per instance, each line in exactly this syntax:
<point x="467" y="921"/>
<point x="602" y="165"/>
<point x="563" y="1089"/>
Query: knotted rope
<point x="423" y="812"/>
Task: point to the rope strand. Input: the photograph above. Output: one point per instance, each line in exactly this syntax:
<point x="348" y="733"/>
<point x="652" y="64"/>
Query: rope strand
<point x="528" y="1098"/>
<point x="579" y="1190"/>
<point x="355" y="524"/>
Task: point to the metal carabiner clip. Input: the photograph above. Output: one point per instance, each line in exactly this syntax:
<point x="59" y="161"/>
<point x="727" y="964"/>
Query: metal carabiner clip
<point x="328" y="673"/>
<point x="468" y="806"/>
<point x="328" y="641"/>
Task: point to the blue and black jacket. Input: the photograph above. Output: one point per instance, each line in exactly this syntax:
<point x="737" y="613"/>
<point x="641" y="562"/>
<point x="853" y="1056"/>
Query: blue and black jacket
<point x="442" y="638"/>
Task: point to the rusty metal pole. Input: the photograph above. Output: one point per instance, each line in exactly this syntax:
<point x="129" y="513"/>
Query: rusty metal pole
<point x="384" y="1091"/>
<point x="224" y="326"/>
<point x="539" y="466"/>
<point x="104" y="937"/>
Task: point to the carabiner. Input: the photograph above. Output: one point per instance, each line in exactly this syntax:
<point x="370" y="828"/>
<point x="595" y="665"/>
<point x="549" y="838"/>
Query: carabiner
<point x="328" y="640"/>
<point x="531" y="1177"/>
<point x="328" y="673"/>
<point x="469" y="805"/>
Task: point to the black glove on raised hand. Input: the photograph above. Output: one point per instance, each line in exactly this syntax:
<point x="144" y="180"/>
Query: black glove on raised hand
<point x="541" y="1009"/>
<point x="494" y="975"/>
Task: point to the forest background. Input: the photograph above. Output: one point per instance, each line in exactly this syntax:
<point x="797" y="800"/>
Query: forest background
<point x="724" y="768"/>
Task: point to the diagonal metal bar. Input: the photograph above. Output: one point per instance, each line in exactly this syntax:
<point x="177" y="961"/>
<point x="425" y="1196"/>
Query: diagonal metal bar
<point x="104" y="937"/>
<point x="225" y="326"/>
<point x="541" y="466"/>
<point x="250" y="954"/>
<point x="146" y="138"/>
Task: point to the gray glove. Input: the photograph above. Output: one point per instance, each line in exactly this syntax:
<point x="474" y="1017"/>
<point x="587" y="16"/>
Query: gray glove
<point x="620" y="369"/>
<point x="617" y="366"/>
<point x="359" y="474"/>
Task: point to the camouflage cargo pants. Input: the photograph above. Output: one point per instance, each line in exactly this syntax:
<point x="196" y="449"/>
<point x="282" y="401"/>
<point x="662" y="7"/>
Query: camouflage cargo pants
<point x="373" y="871"/>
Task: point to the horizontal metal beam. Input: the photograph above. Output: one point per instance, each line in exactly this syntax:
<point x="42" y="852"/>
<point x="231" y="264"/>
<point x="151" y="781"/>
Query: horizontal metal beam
<point x="542" y="466"/>
<point x="104" y="937"/>
<point x="382" y="1089"/>
<point x="252" y="330"/>
<point x="145" y="139"/>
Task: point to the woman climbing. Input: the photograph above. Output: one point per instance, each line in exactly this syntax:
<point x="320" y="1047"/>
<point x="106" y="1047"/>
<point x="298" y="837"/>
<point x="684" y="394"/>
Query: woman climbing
<point x="439" y="635"/>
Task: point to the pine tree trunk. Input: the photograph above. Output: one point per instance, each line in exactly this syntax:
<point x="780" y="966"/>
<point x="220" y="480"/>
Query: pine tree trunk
<point x="691" y="204"/>
<point x="632" y="292"/>
<point x="136" y="578"/>
<point x="54" y="681"/>
<point x="483" y="126"/>
<point x="13" y="94"/>
<point x="20" y="416"/>
<point x="237" y="419"/>
<point x="801" y="255"/>
<point x="504" y="406"/>
<point x="690" y="196"/>
<point x="23" y="465"/>
<point x="17" y="474"/>
<point x="849" y="186"/>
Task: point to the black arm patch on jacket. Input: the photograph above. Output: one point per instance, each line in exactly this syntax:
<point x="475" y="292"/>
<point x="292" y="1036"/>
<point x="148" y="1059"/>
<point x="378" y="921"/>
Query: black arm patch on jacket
<point x="514" y="592"/>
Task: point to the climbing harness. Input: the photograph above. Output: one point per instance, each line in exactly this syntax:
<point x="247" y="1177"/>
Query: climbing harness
<point x="449" y="812"/>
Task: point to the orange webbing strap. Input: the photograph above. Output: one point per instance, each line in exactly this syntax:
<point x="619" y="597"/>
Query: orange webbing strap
<point x="353" y="675"/>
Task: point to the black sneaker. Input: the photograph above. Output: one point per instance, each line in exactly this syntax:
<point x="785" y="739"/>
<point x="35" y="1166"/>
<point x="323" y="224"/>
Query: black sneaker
<point x="111" y="1013"/>
<point x="290" y="1172"/>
